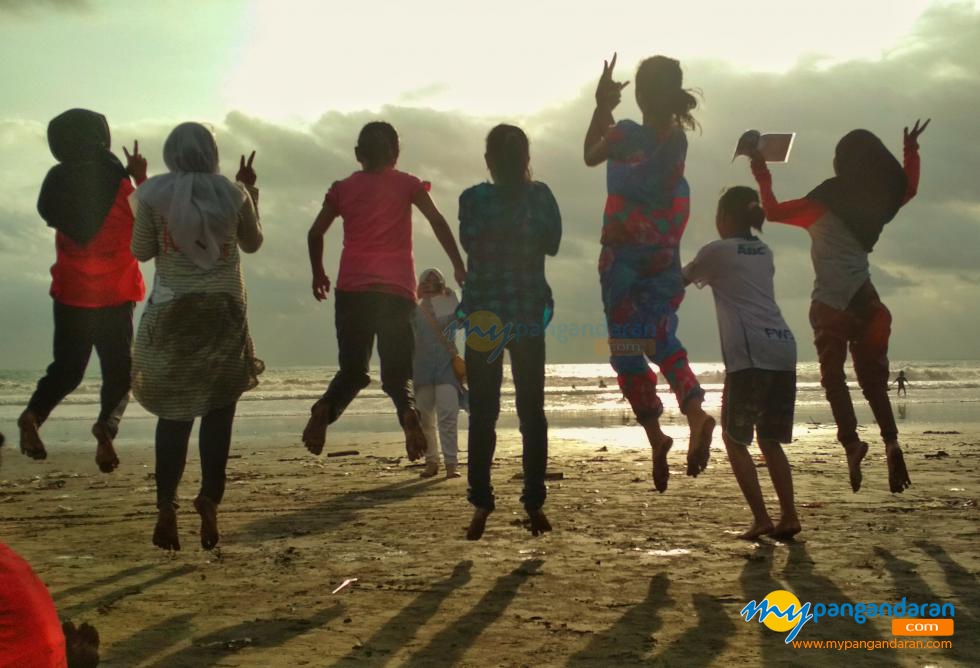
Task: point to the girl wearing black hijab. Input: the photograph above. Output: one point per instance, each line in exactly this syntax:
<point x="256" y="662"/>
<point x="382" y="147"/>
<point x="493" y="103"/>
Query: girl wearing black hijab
<point x="844" y="216"/>
<point x="96" y="281"/>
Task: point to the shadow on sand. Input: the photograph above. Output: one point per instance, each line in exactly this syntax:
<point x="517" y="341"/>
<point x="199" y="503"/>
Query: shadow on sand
<point x="335" y="511"/>
<point x="398" y="631"/>
<point x="448" y="646"/>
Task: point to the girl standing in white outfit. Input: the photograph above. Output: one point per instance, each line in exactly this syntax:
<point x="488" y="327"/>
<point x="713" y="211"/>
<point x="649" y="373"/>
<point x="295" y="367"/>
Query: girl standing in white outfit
<point x="437" y="390"/>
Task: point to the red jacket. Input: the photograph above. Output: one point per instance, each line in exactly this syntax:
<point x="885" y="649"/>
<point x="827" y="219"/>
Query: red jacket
<point x="104" y="272"/>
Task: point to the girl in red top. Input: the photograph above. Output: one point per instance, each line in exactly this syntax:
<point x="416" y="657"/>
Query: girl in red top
<point x="844" y="216"/>
<point x="95" y="279"/>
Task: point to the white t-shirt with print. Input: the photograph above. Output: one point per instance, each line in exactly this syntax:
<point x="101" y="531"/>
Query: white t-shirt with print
<point x="754" y="334"/>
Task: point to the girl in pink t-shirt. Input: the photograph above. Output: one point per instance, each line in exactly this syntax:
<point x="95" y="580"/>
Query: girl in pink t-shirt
<point x="375" y="294"/>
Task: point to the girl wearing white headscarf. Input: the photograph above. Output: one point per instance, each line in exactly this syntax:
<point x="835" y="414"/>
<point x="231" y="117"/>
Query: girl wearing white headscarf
<point x="193" y="355"/>
<point x="438" y="392"/>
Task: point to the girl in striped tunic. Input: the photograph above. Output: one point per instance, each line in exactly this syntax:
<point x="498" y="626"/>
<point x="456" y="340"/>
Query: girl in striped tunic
<point x="193" y="355"/>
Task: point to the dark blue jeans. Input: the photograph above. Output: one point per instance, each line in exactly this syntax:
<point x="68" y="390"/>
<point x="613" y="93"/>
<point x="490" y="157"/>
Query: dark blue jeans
<point x="360" y="317"/>
<point x="77" y="331"/>
<point x="527" y="355"/>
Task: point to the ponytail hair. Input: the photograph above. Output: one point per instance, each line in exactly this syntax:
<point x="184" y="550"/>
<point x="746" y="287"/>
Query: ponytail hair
<point x="661" y="94"/>
<point x="509" y="159"/>
<point x="377" y="145"/>
<point x="741" y="204"/>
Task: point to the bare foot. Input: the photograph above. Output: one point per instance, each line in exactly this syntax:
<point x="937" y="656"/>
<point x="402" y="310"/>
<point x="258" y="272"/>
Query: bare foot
<point x="431" y="469"/>
<point x="105" y="454"/>
<point x="699" y="449"/>
<point x="898" y="475"/>
<point x="786" y="528"/>
<point x="415" y="444"/>
<point x="208" y="510"/>
<point x="315" y="433"/>
<point x="165" y="533"/>
<point x="757" y="530"/>
<point x="539" y="523"/>
<point x="30" y="440"/>
<point x="452" y="471"/>
<point x="478" y="524"/>
<point x="856" y="452"/>
<point x="660" y="444"/>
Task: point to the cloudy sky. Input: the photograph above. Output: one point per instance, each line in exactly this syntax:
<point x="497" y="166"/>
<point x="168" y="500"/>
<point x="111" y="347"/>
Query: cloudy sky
<point x="296" y="80"/>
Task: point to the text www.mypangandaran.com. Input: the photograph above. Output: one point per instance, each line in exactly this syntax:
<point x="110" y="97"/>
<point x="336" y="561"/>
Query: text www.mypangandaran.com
<point x="871" y="645"/>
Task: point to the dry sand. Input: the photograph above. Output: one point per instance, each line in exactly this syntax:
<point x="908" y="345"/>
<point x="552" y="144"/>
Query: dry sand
<point x="629" y="577"/>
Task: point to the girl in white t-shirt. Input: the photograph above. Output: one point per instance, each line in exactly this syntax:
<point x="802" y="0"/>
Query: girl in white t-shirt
<point x="759" y="352"/>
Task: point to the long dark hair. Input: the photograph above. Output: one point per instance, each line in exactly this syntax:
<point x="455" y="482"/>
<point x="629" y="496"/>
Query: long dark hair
<point x="869" y="186"/>
<point x="377" y="145"/>
<point x="661" y="94"/>
<point x="741" y="204"/>
<point x="509" y="159"/>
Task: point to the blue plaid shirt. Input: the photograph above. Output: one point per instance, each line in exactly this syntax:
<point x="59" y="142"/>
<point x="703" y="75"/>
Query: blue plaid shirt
<point x="506" y="243"/>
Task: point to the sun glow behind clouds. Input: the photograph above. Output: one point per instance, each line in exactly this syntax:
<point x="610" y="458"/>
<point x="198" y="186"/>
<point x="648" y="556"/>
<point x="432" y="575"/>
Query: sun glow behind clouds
<point x="514" y="57"/>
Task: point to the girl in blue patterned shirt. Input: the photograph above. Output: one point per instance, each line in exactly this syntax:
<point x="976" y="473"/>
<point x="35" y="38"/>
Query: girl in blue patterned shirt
<point x="507" y="227"/>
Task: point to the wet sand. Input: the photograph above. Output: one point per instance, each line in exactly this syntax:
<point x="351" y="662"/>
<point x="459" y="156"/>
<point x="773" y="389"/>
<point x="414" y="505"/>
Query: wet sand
<point x="629" y="577"/>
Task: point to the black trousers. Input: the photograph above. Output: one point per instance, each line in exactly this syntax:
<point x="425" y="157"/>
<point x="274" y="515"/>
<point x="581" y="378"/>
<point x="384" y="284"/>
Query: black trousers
<point x="214" y="442"/>
<point x="360" y="317"/>
<point x="527" y="356"/>
<point x="76" y="331"/>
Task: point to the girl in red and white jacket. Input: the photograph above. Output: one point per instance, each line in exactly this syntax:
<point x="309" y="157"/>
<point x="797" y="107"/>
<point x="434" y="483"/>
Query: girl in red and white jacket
<point x="845" y="216"/>
<point x="96" y="281"/>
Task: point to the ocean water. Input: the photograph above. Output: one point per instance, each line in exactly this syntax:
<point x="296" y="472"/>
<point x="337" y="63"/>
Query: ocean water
<point x="582" y="400"/>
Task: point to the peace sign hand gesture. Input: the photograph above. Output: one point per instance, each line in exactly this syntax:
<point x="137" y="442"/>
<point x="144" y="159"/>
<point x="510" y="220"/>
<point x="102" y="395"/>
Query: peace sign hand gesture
<point x="135" y="163"/>
<point x="912" y="136"/>
<point x="245" y="173"/>
<point x="608" y="93"/>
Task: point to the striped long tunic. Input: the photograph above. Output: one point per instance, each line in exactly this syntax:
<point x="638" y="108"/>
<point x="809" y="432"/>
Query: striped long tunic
<point x="193" y="353"/>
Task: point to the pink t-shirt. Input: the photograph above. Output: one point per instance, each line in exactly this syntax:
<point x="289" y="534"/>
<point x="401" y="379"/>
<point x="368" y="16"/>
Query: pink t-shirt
<point x="377" y="212"/>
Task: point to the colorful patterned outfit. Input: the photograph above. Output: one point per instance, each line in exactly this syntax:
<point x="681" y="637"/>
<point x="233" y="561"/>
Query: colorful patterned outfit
<point x="639" y="267"/>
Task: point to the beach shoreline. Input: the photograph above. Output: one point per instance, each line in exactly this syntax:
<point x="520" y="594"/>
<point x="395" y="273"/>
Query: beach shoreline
<point x="628" y="577"/>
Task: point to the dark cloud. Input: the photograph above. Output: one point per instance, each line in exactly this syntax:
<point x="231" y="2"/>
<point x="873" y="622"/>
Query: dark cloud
<point x="924" y="265"/>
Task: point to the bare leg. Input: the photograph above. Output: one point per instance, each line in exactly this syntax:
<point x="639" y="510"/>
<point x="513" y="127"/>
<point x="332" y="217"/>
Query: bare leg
<point x="477" y="524"/>
<point x="856" y="451"/>
<point x="702" y="427"/>
<point x="748" y="480"/>
<point x="782" y="480"/>
<point x="661" y="444"/>
<point x="898" y="474"/>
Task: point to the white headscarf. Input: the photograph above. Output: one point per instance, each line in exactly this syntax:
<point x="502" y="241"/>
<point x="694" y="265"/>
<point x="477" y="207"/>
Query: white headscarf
<point x="201" y="206"/>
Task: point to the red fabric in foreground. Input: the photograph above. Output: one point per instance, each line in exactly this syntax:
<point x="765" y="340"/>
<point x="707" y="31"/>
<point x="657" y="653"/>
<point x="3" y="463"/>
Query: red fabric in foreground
<point x="30" y="632"/>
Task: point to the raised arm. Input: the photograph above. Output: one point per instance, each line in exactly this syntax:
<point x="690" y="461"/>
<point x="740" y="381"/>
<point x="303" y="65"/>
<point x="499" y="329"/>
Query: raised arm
<point x="249" y="230"/>
<point x="443" y="233"/>
<point x="801" y="212"/>
<point x="314" y="240"/>
<point x="911" y="158"/>
<point x="608" y="93"/>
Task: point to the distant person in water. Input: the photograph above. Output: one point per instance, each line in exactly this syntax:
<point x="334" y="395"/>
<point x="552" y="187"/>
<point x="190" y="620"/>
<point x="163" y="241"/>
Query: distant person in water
<point x="902" y="382"/>
<point x="96" y="281"/>
<point x="376" y="289"/>
<point x="646" y="213"/>
<point x="844" y="216"/>
<point x="438" y="390"/>
<point x="194" y="356"/>
<point x="760" y="356"/>
<point x="507" y="227"/>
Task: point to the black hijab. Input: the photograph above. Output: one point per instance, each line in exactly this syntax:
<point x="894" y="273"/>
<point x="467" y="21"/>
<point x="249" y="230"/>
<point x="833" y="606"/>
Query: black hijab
<point x="869" y="187"/>
<point x="79" y="191"/>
